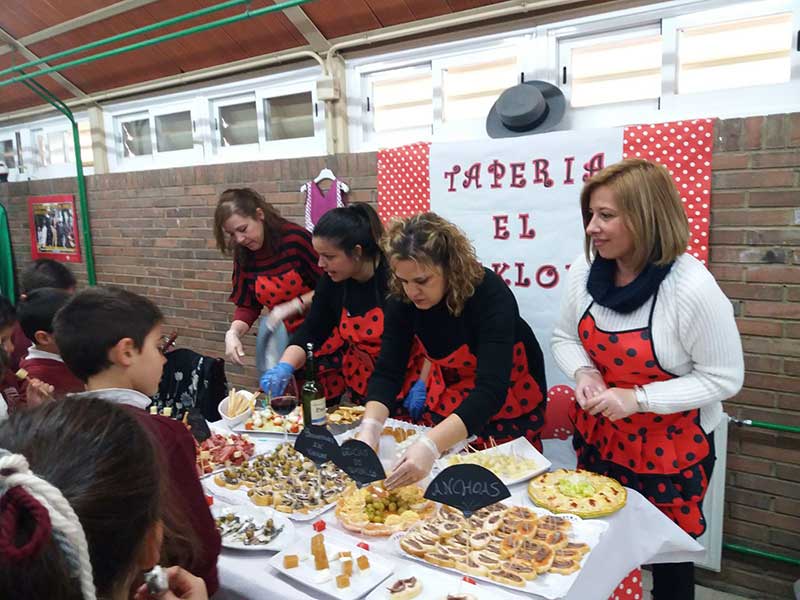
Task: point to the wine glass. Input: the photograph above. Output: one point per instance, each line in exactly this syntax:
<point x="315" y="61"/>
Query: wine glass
<point x="285" y="402"/>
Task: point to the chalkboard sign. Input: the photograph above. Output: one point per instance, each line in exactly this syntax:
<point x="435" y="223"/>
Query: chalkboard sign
<point x="199" y="428"/>
<point x="360" y="462"/>
<point x="467" y="488"/>
<point x="318" y="444"/>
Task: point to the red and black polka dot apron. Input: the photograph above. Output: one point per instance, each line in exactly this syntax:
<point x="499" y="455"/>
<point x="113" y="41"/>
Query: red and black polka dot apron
<point x="667" y="458"/>
<point x="452" y="378"/>
<point x="356" y="347"/>
<point x="272" y="290"/>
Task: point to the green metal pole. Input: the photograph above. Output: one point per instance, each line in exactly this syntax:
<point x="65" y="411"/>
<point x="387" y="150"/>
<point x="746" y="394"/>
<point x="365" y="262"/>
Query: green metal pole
<point x="762" y="554"/>
<point x="127" y="34"/>
<point x="83" y="204"/>
<point x="765" y="425"/>
<point x="157" y="40"/>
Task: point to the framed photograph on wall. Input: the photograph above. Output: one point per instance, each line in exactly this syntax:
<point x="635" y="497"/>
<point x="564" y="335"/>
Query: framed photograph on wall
<point x="54" y="228"/>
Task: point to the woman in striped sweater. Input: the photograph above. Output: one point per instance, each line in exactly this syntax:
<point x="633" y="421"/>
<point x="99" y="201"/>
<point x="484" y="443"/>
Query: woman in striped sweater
<point x="275" y="265"/>
<point x="652" y="344"/>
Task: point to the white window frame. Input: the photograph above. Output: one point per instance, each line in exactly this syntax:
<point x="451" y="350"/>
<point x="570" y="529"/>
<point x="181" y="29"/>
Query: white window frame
<point x="731" y="101"/>
<point x="7" y="135"/>
<point x="240" y="151"/>
<point x="29" y="151"/>
<point x="193" y="154"/>
<point x="367" y="131"/>
<point x="467" y="128"/>
<point x="360" y="72"/>
<point x="294" y="147"/>
<point x="631" y="110"/>
<point x="119" y="120"/>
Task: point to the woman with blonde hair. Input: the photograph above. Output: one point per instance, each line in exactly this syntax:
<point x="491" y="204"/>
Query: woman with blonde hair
<point x="652" y="344"/>
<point x="487" y="371"/>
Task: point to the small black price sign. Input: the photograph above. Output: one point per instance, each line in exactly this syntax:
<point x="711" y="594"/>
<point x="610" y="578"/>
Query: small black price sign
<point x="467" y="488"/>
<point x="318" y="444"/>
<point x="360" y="462"/>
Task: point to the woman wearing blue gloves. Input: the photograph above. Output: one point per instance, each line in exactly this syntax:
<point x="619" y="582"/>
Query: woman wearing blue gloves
<point x="487" y="370"/>
<point x="345" y="321"/>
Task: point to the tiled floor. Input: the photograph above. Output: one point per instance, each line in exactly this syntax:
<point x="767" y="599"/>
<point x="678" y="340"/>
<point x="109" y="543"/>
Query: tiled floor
<point x="700" y="592"/>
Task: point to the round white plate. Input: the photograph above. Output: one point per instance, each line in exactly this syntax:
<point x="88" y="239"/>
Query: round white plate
<point x="260" y="516"/>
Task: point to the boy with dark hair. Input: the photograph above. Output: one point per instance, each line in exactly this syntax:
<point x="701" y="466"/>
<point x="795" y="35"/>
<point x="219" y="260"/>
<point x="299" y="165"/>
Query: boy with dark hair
<point x="111" y="339"/>
<point x="46" y="272"/>
<point x="8" y="318"/>
<point x="35" y="313"/>
<point x="43" y="272"/>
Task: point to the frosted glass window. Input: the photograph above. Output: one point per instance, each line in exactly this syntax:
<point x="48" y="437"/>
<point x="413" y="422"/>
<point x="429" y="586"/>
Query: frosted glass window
<point x="620" y="70"/>
<point x="739" y="53"/>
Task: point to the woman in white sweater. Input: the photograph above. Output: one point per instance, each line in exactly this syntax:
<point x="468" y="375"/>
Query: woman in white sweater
<point x="652" y="344"/>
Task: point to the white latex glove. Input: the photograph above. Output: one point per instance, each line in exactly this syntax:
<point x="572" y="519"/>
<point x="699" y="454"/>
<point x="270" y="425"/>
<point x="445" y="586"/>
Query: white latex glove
<point x="283" y="312"/>
<point x="233" y="347"/>
<point x="613" y="404"/>
<point x="370" y="432"/>
<point x="415" y="464"/>
<point x="588" y="383"/>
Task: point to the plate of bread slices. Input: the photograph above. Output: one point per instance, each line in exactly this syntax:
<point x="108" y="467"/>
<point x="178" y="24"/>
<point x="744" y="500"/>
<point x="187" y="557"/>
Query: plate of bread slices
<point x="283" y="479"/>
<point x="521" y="548"/>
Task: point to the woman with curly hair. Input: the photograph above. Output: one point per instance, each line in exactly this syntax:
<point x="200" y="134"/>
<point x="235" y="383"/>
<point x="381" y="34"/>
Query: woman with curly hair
<point x="487" y="376"/>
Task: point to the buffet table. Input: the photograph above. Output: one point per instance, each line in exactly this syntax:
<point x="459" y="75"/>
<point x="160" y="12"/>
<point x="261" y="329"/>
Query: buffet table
<point x="637" y="534"/>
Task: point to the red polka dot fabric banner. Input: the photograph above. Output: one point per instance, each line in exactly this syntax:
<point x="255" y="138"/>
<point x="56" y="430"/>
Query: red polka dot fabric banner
<point x="404" y="183"/>
<point x="684" y="147"/>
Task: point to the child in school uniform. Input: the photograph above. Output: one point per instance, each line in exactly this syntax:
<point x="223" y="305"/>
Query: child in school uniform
<point x="111" y="339"/>
<point x="43" y="361"/>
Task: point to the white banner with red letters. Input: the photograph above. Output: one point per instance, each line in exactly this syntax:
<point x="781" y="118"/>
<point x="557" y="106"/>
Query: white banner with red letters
<point x="518" y="201"/>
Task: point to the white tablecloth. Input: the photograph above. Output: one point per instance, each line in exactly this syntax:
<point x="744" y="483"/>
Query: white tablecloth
<point x="638" y="534"/>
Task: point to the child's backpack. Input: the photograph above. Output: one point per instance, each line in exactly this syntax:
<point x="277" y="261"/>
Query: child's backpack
<point x="192" y="381"/>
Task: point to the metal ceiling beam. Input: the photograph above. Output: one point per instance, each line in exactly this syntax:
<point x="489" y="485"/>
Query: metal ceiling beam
<point x="319" y="43"/>
<point x="57" y="77"/>
<point x="77" y="22"/>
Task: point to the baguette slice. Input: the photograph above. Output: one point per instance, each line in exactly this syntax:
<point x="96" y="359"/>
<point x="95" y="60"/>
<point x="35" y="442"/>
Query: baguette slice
<point x="565" y="566"/>
<point x="471" y="567"/>
<point x="412" y="546"/>
<point x="439" y="559"/>
<point x="507" y="577"/>
<point x="526" y="571"/>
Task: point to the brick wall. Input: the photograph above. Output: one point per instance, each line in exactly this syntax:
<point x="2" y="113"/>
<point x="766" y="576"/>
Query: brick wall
<point x="754" y="255"/>
<point x="152" y="233"/>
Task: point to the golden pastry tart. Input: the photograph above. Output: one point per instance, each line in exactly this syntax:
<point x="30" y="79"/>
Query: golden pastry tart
<point x="581" y="493"/>
<point x="372" y="510"/>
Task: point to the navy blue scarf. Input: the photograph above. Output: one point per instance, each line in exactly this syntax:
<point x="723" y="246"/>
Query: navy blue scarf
<point x="629" y="297"/>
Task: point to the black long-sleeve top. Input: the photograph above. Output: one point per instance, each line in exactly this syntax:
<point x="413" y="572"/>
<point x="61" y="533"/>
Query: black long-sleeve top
<point x="490" y="325"/>
<point x="356" y="297"/>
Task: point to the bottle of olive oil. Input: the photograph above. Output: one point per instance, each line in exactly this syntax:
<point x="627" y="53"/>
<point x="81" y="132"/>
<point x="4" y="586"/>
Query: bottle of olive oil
<point x="314" y="412"/>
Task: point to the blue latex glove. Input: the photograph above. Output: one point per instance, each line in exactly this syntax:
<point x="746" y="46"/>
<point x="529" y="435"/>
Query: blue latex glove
<point x="415" y="399"/>
<point x="274" y="380"/>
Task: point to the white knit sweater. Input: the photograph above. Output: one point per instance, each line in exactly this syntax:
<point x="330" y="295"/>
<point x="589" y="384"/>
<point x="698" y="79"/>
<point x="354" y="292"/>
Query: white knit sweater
<point x="694" y="336"/>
